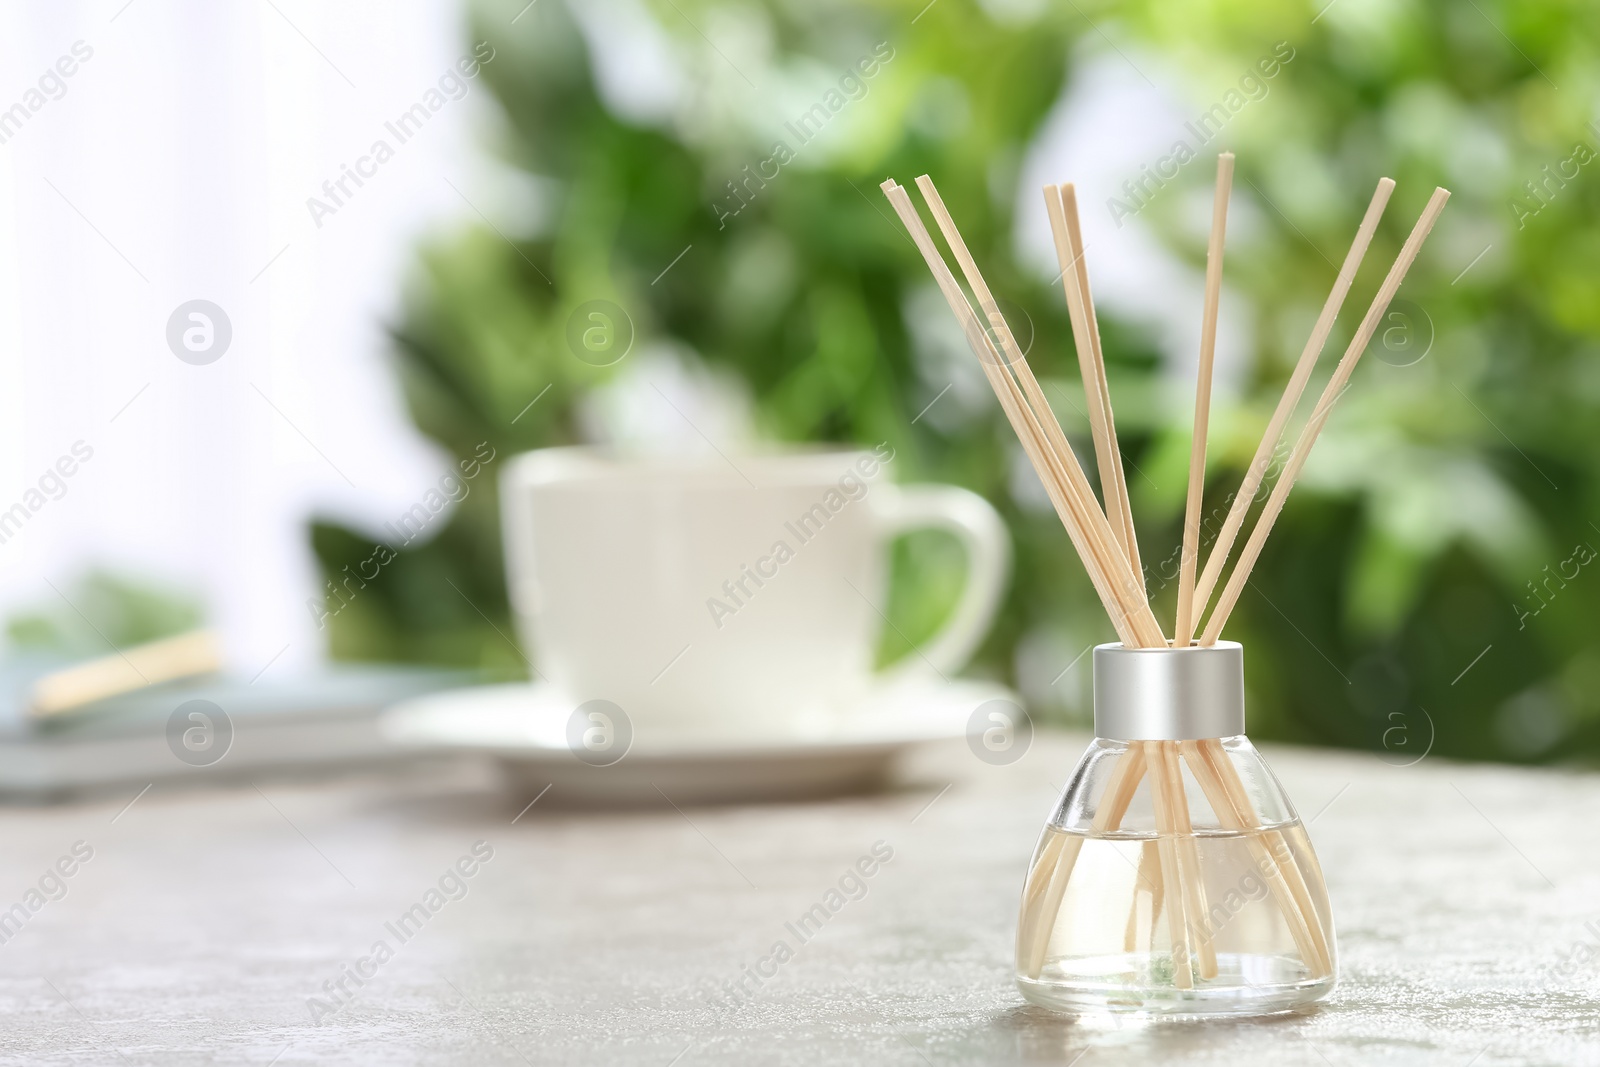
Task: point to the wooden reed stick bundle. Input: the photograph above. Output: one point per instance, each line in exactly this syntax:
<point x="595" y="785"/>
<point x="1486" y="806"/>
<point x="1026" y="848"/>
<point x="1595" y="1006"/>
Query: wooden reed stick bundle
<point x="1061" y="204"/>
<point x="1291" y="396"/>
<point x="1319" y="415"/>
<point x="1130" y="588"/>
<point x="1036" y="426"/>
<point x="1106" y="543"/>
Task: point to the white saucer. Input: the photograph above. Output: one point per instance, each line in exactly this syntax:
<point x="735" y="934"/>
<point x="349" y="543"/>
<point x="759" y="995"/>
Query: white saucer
<point x="525" y="727"/>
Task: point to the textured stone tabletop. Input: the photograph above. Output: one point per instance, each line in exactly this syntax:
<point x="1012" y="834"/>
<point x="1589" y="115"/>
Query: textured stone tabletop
<point x="209" y="925"/>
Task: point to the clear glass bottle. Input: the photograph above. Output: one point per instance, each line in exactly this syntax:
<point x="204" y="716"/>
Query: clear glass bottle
<point x="1174" y="877"/>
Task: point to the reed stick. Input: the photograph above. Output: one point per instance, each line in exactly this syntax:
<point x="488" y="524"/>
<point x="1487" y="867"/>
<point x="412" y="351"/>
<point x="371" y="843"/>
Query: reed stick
<point x="1061" y="204"/>
<point x="1032" y="938"/>
<point x="1163" y="801"/>
<point x="1210" y="766"/>
<point x="1262" y="460"/>
<point x="1319" y="415"/>
<point x="1271" y="848"/>
<point x="1193" y="883"/>
<point x="1183" y="627"/>
<point x="1033" y="941"/>
<point x="1149" y="860"/>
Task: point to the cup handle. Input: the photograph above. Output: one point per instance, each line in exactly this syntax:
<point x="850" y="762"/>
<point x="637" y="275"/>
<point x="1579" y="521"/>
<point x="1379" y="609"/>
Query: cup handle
<point x="981" y="531"/>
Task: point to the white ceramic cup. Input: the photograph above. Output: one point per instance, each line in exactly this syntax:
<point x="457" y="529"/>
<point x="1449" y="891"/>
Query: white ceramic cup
<point x="748" y="591"/>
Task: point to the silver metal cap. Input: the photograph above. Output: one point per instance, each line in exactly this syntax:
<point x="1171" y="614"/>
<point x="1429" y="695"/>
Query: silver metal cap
<point x="1169" y="694"/>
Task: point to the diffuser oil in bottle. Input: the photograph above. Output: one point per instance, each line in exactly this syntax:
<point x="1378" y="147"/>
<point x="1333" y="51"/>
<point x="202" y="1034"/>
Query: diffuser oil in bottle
<point x="1107" y="943"/>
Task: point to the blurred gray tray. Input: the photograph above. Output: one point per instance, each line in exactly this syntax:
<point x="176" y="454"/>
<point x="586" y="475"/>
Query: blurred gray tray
<point x="326" y="717"/>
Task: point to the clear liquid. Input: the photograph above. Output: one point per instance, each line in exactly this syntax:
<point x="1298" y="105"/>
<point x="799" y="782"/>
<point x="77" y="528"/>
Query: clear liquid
<point x="1253" y="930"/>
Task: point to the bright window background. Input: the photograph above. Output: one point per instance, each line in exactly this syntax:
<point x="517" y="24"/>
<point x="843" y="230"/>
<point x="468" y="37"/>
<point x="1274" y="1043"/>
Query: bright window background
<point x="176" y="165"/>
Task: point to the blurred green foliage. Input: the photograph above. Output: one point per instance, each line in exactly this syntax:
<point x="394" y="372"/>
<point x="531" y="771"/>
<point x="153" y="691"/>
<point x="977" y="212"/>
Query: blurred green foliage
<point x="101" y="609"/>
<point x="1420" y="582"/>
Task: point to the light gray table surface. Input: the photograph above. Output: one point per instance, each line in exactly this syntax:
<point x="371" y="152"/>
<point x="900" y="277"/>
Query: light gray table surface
<point x="207" y="917"/>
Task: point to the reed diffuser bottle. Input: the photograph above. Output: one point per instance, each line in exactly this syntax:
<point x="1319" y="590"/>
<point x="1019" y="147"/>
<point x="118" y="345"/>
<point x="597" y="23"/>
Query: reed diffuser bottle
<point x="1174" y="876"/>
